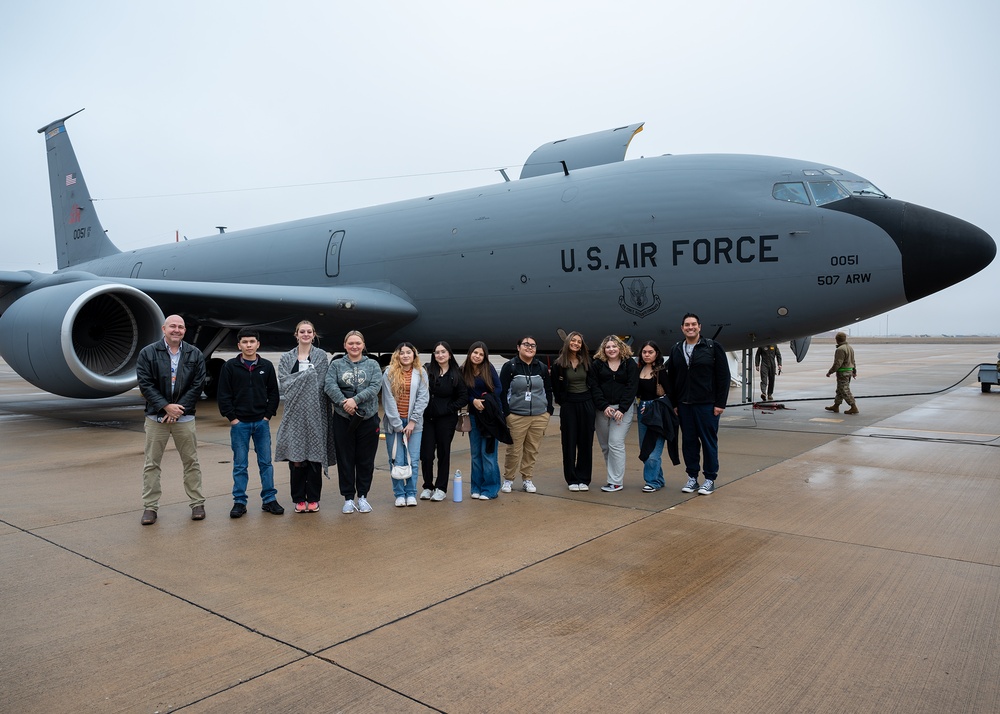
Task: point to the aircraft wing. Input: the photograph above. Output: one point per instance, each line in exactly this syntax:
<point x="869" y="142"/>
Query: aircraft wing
<point x="10" y="280"/>
<point x="238" y="305"/>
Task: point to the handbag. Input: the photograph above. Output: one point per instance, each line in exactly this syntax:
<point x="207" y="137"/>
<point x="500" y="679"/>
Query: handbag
<point x="464" y="423"/>
<point x="400" y="472"/>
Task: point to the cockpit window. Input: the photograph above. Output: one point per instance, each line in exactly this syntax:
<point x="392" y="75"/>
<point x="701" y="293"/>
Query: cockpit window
<point x="862" y="188"/>
<point x="791" y="192"/>
<point x="826" y="192"/>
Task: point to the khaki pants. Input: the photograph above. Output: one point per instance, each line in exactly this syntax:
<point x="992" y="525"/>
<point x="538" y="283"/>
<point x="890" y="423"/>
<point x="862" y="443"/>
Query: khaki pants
<point x="527" y="433"/>
<point x="186" y="443"/>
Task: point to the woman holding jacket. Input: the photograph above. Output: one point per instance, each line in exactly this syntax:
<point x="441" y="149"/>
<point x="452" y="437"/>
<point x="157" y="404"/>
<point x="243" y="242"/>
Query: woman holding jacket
<point x="447" y="396"/>
<point x="483" y="384"/>
<point x="404" y="399"/>
<point x="652" y="386"/>
<point x="613" y="384"/>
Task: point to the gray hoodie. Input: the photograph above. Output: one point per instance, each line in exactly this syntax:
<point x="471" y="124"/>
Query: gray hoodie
<point x="360" y="380"/>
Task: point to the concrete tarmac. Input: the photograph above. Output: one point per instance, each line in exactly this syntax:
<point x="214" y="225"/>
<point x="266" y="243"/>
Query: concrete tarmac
<point x="845" y="563"/>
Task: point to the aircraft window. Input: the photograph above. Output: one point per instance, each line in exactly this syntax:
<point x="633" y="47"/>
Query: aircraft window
<point x="791" y="192"/>
<point x="863" y="188"/>
<point x="826" y="192"/>
<point x="812" y="172"/>
<point x="832" y="172"/>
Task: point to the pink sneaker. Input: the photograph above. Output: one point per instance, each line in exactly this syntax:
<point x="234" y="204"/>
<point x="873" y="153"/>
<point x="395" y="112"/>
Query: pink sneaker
<point x="313" y="506"/>
<point x="300" y="507"/>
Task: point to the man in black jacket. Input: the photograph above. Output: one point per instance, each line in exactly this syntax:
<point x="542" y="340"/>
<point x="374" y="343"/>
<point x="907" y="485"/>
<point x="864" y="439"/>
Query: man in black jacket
<point x="171" y="373"/>
<point x="248" y="398"/>
<point x="698" y="374"/>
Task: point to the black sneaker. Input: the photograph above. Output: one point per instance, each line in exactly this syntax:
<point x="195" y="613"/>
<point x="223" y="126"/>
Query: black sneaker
<point x="238" y="510"/>
<point x="271" y="507"/>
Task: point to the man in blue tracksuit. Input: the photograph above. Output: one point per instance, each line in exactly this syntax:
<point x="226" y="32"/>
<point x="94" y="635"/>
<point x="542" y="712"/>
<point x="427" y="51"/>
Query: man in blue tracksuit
<point x="248" y="398"/>
<point x="698" y="374"/>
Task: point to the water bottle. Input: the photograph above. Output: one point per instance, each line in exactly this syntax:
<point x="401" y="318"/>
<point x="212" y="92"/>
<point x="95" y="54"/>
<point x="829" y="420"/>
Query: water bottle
<point x="456" y="490"/>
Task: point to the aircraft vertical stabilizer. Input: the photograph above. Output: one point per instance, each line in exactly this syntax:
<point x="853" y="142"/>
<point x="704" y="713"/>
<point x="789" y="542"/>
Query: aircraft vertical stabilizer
<point x="78" y="232"/>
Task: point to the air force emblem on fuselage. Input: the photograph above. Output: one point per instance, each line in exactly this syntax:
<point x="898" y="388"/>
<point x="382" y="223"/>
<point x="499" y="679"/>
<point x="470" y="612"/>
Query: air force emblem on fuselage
<point x="638" y="297"/>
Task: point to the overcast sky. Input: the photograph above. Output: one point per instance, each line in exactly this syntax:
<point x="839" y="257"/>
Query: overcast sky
<point x="247" y="113"/>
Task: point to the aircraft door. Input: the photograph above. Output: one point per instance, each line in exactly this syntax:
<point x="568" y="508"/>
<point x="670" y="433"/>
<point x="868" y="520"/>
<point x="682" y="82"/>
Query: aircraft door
<point x="333" y="254"/>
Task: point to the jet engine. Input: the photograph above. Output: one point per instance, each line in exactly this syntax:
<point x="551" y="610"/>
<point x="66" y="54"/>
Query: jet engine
<point x="79" y="339"/>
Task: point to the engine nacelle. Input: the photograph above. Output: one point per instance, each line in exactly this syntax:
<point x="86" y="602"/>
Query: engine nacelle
<point x="79" y="339"/>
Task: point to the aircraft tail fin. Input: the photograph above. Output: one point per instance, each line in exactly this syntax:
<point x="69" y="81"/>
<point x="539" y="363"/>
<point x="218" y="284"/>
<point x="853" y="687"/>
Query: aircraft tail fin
<point x="78" y="232"/>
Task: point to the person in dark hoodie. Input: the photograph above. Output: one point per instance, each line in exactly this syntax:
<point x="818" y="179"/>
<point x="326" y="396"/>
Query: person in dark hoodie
<point x="698" y="375"/>
<point x="447" y="396"/>
<point x="248" y="398"/>
<point x="483" y="384"/>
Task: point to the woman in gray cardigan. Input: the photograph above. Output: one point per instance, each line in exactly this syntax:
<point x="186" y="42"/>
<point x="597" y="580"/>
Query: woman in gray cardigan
<point x="404" y="398"/>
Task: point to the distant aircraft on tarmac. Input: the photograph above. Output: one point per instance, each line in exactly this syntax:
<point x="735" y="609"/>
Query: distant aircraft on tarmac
<point x="764" y="249"/>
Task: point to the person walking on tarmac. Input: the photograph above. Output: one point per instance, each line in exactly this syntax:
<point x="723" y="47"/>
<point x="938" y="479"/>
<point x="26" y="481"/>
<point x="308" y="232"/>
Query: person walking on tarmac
<point x="845" y="369"/>
<point x="768" y="363"/>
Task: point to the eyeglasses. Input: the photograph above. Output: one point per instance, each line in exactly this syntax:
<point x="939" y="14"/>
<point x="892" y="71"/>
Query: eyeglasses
<point x="529" y="345"/>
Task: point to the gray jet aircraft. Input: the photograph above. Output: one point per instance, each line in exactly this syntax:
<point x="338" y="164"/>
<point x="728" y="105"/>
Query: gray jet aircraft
<point x="764" y="249"/>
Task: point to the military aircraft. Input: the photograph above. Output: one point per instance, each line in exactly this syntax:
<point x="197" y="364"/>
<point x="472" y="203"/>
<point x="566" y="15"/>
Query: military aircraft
<point x="764" y="249"/>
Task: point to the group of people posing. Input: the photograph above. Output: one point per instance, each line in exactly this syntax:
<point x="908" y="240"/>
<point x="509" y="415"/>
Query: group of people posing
<point x="331" y="414"/>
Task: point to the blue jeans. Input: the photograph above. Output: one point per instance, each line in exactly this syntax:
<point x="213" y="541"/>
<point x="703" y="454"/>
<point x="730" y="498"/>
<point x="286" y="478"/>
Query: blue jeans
<point x="409" y="455"/>
<point x="485" y="476"/>
<point x="652" y="469"/>
<point x="240" y="435"/>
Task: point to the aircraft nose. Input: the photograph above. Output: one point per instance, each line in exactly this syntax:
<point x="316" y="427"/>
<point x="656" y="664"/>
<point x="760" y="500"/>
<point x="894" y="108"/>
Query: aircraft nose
<point x="938" y="250"/>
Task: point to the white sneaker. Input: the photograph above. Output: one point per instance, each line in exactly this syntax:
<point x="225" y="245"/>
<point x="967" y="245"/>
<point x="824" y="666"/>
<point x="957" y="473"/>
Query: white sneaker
<point x="426" y="494"/>
<point x="349" y="506"/>
<point x="611" y="487"/>
<point x="474" y="495"/>
<point x="506" y="486"/>
<point x="438" y="495"/>
<point x="528" y="486"/>
<point x="363" y="505"/>
<point x="574" y="487"/>
<point x="400" y="501"/>
<point x="584" y="487"/>
<point x="411" y="501"/>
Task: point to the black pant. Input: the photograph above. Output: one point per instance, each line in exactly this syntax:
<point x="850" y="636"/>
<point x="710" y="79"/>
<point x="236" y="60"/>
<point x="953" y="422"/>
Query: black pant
<point x="438" y="433"/>
<point x="355" y="454"/>
<point x="306" y="481"/>
<point x="576" y="429"/>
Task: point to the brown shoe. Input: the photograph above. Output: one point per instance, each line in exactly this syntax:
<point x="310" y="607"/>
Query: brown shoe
<point x="834" y="408"/>
<point x="198" y="513"/>
<point x="853" y="410"/>
<point x="148" y="517"/>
